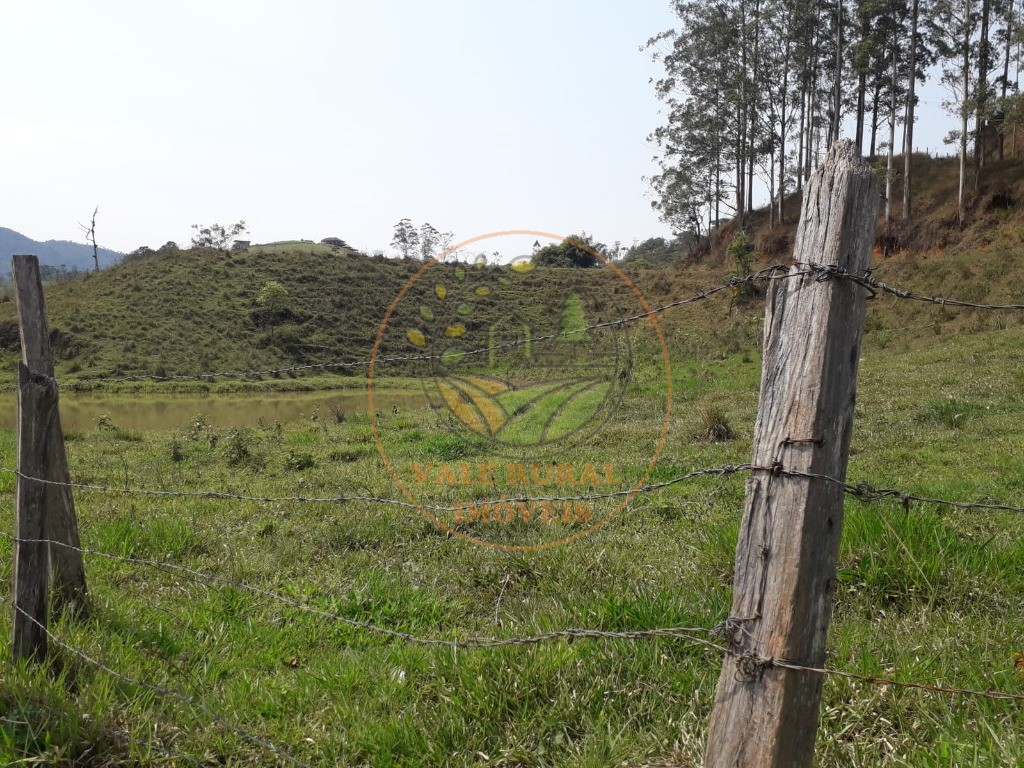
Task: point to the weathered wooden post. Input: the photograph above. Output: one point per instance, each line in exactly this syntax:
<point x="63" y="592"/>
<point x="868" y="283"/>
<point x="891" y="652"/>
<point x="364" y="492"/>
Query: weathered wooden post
<point x="44" y="511"/>
<point x="37" y="404"/>
<point x="766" y="715"/>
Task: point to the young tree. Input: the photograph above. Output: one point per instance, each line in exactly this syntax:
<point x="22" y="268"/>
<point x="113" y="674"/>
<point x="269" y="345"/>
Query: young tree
<point x="274" y="301"/>
<point x="956" y="23"/>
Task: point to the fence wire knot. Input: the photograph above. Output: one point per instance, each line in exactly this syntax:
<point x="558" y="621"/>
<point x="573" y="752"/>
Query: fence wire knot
<point x="750" y="666"/>
<point x="866" y="492"/>
<point x="824" y="272"/>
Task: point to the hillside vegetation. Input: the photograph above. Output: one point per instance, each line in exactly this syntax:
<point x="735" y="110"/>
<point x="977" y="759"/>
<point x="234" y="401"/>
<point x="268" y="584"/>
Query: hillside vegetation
<point x="195" y="311"/>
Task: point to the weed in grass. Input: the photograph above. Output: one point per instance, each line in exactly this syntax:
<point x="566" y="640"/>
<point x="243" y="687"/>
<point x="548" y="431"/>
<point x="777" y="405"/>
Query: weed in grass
<point x="950" y="413"/>
<point x="240" y="446"/>
<point x="714" y="425"/>
<point x="296" y="460"/>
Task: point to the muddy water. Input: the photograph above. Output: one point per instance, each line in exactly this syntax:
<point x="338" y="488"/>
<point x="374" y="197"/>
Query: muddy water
<point x="146" y="412"/>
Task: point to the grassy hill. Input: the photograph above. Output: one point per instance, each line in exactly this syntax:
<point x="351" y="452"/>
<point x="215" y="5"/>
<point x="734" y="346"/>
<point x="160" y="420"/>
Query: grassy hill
<point x="198" y="310"/>
<point x="194" y="311"/>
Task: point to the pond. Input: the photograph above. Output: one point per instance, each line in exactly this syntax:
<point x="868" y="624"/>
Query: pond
<point x="156" y="412"/>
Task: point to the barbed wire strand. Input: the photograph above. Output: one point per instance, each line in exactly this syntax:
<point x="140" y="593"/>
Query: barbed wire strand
<point x="868" y="493"/>
<point x="476" y="642"/>
<point x="688" y="634"/>
<point x="237" y="730"/>
<point x="727" y="469"/>
<point x="862" y="491"/>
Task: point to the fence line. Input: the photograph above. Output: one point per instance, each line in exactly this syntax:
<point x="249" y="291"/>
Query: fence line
<point x="728" y="628"/>
<point x="475" y="642"/>
<point x="727" y="469"/>
<point x="862" y="491"/>
<point x="770" y="273"/>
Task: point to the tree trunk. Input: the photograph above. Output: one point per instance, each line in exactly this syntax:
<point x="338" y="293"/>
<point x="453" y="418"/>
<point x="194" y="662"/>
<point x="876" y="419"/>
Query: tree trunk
<point x="837" y="87"/>
<point x="876" y="97"/>
<point x="908" y="130"/>
<point x="1006" y="69"/>
<point x="800" y="140"/>
<point x="782" y="141"/>
<point x="979" y="114"/>
<point x="964" y="106"/>
<point x="890" y="155"/>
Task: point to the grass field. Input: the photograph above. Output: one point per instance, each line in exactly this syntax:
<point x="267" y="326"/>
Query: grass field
<point x="928" y="594"/>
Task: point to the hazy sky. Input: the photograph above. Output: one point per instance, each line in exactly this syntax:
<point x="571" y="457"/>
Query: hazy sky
<point x="311" y="118"/>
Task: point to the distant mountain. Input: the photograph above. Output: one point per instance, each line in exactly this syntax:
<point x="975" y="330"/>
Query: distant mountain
<point x="52" y="252"/>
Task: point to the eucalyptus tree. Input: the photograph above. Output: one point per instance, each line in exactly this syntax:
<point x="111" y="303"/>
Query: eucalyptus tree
<point x="703" y="142"/>
<point x="406" y="239"/>
<point x="956" y="24"/>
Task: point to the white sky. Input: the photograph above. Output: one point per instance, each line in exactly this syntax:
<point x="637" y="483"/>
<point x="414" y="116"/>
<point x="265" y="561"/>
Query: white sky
<point x="314" y="118"/>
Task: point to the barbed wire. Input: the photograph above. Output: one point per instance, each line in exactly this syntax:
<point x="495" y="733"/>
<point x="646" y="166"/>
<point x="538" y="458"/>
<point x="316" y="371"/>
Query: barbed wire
<point x="727" y="469"/>
<point x="476" y="642"/>
<point x="868" y="493"/>
<point x="875" y="680"/>
<point x="236" y="729"/>
<point x="747" y="659"/>
<point x="862" y="491"/>
<point x="865" y="279"/>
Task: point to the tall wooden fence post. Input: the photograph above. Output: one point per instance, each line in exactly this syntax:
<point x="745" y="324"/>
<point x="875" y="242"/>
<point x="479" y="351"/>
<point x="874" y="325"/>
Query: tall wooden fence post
<point x="767" y="715"/>
<point x="59" y="522"/>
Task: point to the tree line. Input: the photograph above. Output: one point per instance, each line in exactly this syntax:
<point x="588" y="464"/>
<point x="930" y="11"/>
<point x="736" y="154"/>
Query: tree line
<point x="756" y="90"/>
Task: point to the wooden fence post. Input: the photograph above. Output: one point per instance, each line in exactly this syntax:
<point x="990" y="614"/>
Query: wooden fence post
<point x="59" y="522"/>
<point x="37" y="404"/>
<point x="767" y="715"/>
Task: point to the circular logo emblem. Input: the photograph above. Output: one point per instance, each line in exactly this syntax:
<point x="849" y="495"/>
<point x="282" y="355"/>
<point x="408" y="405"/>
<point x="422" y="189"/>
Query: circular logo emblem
<point x="537" y="377"/>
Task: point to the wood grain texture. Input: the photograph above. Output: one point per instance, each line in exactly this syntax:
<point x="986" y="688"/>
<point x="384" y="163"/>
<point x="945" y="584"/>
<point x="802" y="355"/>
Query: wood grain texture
<point x="60" y="522"/>
<point x="789" y="538"/>
<point x="37" y="404"/>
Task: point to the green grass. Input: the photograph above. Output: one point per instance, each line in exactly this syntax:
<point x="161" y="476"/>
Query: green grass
<point x="929" y="594"/>
<point x="926" y="594"/>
